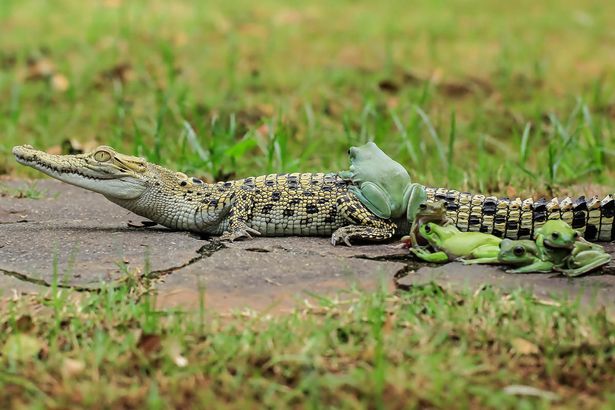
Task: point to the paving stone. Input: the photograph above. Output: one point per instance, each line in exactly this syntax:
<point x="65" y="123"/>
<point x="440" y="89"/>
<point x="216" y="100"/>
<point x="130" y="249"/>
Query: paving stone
<point x="273" y="278"/>
<point x="83" y="239"/>
<point x="457" y="276"/>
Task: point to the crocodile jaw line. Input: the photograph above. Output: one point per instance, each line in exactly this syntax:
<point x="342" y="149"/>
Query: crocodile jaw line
<point x="121" y="188"/>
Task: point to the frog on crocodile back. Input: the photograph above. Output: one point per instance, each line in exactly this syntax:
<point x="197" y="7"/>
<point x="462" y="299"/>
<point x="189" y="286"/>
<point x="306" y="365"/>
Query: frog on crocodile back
<point x="382" y="184"/>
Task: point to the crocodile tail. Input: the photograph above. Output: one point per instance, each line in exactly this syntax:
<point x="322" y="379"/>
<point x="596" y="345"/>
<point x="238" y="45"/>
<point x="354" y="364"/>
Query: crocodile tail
<point x="518" y="219"/>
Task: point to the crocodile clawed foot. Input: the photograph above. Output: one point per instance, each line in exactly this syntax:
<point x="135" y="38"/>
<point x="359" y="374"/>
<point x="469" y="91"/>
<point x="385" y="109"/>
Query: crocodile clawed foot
<point x="339" y="237"/>
<point x="244" y="233"/>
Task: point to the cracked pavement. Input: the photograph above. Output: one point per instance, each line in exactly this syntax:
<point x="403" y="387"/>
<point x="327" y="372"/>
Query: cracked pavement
<point x="84" y="240"/>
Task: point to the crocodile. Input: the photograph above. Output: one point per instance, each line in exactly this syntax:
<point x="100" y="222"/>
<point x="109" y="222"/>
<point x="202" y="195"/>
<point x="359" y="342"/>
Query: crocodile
<point x="304" y="204"/>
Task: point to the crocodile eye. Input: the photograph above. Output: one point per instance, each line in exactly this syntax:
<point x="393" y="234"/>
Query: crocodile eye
<point x="102" y="156"/>
<point x="555" y="235"/>
<point x="519" y="250"/>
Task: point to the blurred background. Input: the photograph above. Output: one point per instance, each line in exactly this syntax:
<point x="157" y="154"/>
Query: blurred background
<point x="504" y="97"/>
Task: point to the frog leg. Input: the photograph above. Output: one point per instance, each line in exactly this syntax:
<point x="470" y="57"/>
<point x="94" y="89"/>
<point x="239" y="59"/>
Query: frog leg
<point x="538" y="266"/>
<point x="414" y="196"/>
<point x="436" y="257"/>
<point x="483" y="254"/>
<point x="475" y="261"/>
<point x="596" y="263"/>
<point x="374" y="198"/>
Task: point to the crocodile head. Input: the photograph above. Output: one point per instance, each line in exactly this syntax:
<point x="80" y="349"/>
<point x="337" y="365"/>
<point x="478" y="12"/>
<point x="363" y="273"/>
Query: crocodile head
<point x="103" y="170"/>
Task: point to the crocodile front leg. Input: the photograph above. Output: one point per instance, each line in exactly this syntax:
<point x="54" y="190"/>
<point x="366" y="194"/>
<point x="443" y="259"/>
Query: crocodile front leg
<point x="238" y="215"/>
<point x="365" y="225"/>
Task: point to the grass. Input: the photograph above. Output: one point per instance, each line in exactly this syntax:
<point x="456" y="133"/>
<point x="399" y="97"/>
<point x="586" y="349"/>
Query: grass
<point x="271" y="87"/>
<point x="491" y="96"/>
<point x="422" y="348"/>
<point x="30" y="190"/>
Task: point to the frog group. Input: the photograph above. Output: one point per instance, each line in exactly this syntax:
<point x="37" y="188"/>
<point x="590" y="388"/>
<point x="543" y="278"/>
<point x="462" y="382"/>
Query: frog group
<point x="384" y="187"/>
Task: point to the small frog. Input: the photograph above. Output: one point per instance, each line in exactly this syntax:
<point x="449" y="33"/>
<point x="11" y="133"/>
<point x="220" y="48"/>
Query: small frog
<point x="382" y="184"/>
<point x="428" y="212"/>
<point x="525" y="254"/>
<point x="585" y="257"/>
<point x="553" y="252"/>
<point x="555" y="239"/>
<point x="450" y="243"/>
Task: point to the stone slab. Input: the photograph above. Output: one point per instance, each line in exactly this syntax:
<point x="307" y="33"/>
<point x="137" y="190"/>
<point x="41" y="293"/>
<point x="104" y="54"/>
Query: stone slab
<point x="83" y="239"/>
<point x="597" y="288"/>
<point x="272" y="273"/>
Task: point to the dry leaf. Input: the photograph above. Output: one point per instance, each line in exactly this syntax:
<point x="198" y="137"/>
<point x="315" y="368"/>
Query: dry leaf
<point x="174" y="351"/>
<point x="455" y="89"/>
<point x="521" y="390"/>
<point x="388" y="86"/>
<point x="55" y="150"/>
<point x="122" y="72"/>
<point x="24" y="323"/>
<point x="59" y="83"/>
<point x="112" y="4"/>
<point x="180" y="39"/>
<point x="40" y="68"/>
<point x="392" y="102"/>
<point x="288" y="17"/>
<point x="266" y="110"/>
<point x="21" y="347"/>
<point x="263" y="130"/>
<point x="523" y="346"/>
<point x="548" y="302"/>
<point x="149" y="343"/>
<point x="72" y="367"/>
<point x="253" y="30"/>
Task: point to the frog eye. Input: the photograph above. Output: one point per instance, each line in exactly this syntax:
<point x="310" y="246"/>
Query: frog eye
<point x="519" y="250"/>
<point x="555" y="235"/>
<point x="423" y="206"/>
<point x="102" y="156"/>
<point x="427" y="229"/>
<point x="575" y="234"/>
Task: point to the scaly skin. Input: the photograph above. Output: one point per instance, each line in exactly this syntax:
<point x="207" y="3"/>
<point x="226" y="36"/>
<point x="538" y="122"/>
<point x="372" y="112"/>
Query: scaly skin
<point x="272" y="205"/>
<point x="519" y="219"/>
<point x="293" y="204"/>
